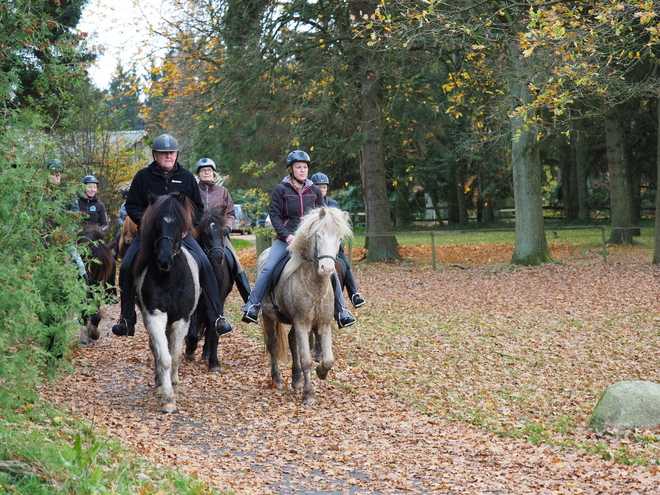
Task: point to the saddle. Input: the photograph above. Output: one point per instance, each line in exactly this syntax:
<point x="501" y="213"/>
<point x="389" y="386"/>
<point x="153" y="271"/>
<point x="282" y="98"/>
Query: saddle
<point x="274" y="278"/>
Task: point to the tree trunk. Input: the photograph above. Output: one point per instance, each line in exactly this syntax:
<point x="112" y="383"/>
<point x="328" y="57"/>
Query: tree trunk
<point x="656" y="246"/>
<point x="372" y="169"/>
<point x="620" y="207"/>
<point x="581" y="146"/>
<point x="531" y="245"/>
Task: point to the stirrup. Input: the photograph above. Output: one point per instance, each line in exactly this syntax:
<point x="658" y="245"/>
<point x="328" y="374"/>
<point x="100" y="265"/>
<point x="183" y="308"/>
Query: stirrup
<point x="222" y="326"/>
<point x="123" y="328"/>
<point x="252" y="314"/>
<point x="345" y="318"/>
<point x="357" y="300"/>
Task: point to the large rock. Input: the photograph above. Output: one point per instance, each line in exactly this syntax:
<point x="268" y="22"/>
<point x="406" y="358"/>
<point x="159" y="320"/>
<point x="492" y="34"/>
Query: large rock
<point x="626" y="405"/>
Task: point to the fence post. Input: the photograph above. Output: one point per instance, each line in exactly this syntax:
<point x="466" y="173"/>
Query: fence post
<point x="602" y="235"/>
<point x="433" y="249"/>
<point x="350" y="253"/>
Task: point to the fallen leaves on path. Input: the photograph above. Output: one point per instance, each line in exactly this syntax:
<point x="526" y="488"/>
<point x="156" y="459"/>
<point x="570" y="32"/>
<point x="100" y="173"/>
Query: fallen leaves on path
<point x="435" y="353"/>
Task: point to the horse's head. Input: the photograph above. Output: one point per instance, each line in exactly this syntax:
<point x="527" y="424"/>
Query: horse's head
<point x="210" y="236"/>
<point x="319" y="236"/>
<point x="166" y="221"/>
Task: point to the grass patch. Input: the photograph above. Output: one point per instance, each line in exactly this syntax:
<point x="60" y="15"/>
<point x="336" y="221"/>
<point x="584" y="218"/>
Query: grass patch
<point x="44" y="450"/>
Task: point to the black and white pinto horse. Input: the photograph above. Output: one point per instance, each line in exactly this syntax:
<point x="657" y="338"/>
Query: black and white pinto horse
<point x="100" y="270"/>
<point x="304" y="296"/>
<point x="210" y="237"/>
<point x="167" y="285"/>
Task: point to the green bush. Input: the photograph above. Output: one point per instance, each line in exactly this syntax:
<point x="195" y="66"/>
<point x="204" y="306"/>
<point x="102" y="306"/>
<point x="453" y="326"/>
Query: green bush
<point x="41" y="292"/>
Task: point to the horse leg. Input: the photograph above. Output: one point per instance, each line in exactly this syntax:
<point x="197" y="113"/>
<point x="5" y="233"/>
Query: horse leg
<point x="158" y="342"/>
<point x="296" y="370"/>
<point x="178" y="331"/>
<point x="211" y="351"/>
<point x="325" y="337"/>
<point x="192" y="338"/>
<point x="271" y="337"/>
<point x="305" y="356"/>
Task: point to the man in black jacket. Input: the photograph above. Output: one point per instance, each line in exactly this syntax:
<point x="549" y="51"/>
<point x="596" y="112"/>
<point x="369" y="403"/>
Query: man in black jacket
<point x="160" y="177"/>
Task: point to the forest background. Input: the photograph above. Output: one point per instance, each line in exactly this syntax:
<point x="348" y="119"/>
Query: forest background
<point x="478" y="106"/>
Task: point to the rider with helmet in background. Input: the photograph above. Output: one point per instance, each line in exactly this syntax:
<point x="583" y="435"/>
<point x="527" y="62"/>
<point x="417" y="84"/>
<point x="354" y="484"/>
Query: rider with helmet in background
<point x="162" y="176"/>
<point x="322" y="182"/>
<point x="289" y="201"/>
<point x="90" y="204"/>
<point x="215" y="195"/>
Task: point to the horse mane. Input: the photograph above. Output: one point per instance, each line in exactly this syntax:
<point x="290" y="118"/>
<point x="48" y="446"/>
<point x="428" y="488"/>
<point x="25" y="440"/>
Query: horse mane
<point x="93" y="238"/>
<point x="169" y="206"/>
<point x="333" y="220"/>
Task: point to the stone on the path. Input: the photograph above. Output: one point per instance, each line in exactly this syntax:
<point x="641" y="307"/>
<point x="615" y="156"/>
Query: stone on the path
<point x="625" y="405"/>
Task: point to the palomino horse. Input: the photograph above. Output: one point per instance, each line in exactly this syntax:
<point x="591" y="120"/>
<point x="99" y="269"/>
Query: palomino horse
<point x="303" y="295"/>
<point x="167" y="285"/>
<point x="100" y="269"/>
<point x="128" y="232"/>
<point x="209" y="236"/>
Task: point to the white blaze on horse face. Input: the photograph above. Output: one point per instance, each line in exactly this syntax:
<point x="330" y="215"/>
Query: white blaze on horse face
<point x="327" y="246"/>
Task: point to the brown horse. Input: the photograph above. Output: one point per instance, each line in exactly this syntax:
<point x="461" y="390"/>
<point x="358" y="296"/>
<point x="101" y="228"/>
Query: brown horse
<point x="303" y="295"/>
<point x="128" y="232"/>
<point x="100" y="270"/>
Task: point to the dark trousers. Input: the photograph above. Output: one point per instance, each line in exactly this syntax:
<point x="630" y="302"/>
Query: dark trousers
<point x="215" y="306"/>
<point x="349" y="279"/>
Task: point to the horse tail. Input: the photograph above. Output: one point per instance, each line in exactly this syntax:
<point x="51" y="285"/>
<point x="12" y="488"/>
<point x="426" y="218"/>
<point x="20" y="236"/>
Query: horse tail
<point x="276" y="339"/>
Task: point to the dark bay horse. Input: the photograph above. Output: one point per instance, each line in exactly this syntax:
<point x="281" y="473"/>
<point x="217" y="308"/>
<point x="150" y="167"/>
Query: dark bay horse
<point x="303" y="295"/>
<point x="209" y="236"/>
<point x="100" y="270"/>
<point x="167" y="285"/>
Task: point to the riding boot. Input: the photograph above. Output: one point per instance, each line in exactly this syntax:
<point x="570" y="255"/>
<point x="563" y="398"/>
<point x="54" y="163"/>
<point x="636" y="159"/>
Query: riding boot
<point x="351" y="288"/>
<point x="243" y="286"/>
<point x="126" y="323"/>
<point x="342" y="314"/>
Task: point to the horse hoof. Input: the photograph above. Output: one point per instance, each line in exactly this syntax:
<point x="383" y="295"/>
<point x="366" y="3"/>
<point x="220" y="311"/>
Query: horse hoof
<point x="189" y="357"/>
<point x="275" y="384"/>
<point x="296" y="384"/>
<point x="170" y="408"/>
<point x="215" y="368"/>
<point x="321" y="373"/>
<point x="309" y="401"/>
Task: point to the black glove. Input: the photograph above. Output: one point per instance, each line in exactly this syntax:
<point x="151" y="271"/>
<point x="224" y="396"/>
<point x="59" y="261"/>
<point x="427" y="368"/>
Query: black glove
<point x="226" y="231"/>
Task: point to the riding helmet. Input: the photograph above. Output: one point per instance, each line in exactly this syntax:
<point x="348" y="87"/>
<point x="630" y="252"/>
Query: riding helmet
<point x="165" y="142"/>
<point x="88" y="179"/>
<point x="54" y="165"/>
<point x="320" y="178"/>
<point x="205" y="162"/>
<point x="297" y="156"/>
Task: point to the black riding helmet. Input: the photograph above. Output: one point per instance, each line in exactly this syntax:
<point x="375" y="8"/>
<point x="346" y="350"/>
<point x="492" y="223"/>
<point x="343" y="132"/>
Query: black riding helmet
<point x="54" y="165"/>
<point x="320" y="178"/>
<point x="297" y="156"/>
<point x="165" y="142"/>
<point x="89" y="179"/>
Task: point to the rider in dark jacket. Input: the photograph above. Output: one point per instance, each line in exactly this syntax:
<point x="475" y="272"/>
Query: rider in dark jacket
<point x="90" y="204"/>
<point x="322" y="182"/>
<point x="162" y="176"/>
<point x="289" y="201"/>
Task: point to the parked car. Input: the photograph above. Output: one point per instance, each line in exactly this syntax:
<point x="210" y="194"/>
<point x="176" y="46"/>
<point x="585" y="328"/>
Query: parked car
<point x="243" y="223"/>
<point x="263" y="221"/>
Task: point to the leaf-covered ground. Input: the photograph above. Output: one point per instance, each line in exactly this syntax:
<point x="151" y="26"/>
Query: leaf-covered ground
<point x="476" y="377"/>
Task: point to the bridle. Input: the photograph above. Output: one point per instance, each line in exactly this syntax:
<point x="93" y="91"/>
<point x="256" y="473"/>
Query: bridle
<point x="318" y="257"/>
<point x="176" y="244"/>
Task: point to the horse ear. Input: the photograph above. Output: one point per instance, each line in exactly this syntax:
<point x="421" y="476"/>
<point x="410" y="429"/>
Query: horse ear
<point x="182" y="197"/>
<point x="151" y="198"/>
<point x="345" y="215"/>
<point x="322" y="212"/>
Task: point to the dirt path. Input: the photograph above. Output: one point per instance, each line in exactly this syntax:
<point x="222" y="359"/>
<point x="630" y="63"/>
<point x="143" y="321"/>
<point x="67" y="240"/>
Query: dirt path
<point x="234" y="432"/>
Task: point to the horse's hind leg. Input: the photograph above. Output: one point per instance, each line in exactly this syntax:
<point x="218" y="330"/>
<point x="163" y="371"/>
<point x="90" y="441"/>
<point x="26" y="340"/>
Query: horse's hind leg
<point x="296" y="370"/>
<point x="325" y="338"/>
<point x="270" y="336"/>
<point x="192" y="338"/>
<point x="211" y="351"/>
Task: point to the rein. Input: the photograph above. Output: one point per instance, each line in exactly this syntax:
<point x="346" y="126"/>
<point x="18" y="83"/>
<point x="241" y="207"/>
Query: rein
<point x="317" y="257"/>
